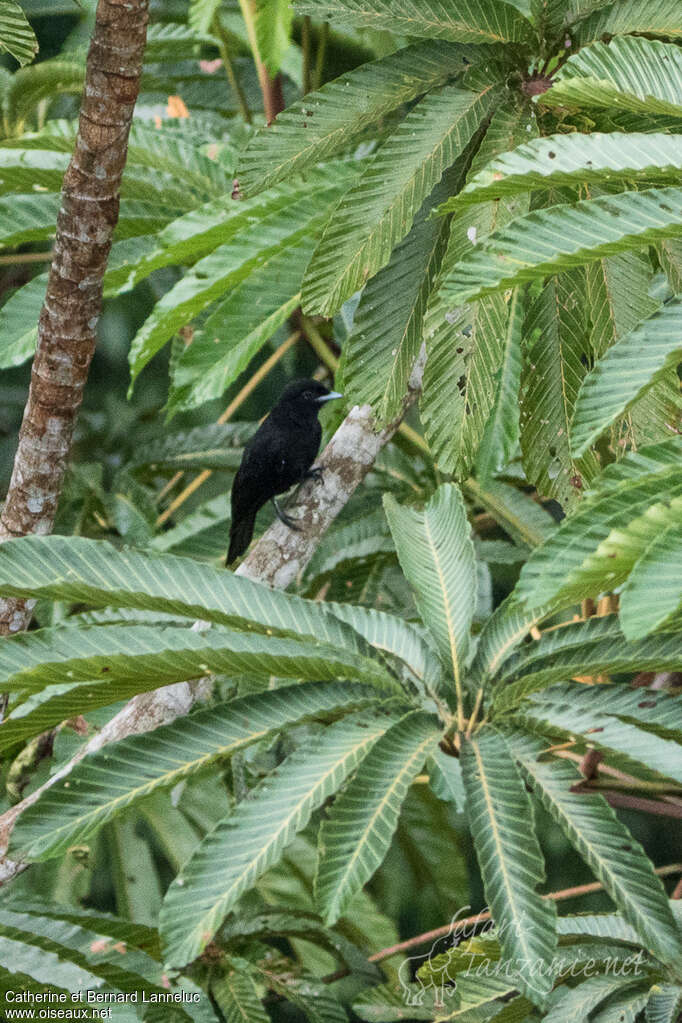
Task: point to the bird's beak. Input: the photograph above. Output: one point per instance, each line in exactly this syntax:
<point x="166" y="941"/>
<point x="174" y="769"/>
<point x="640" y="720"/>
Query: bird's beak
<point x="328" y="397"/>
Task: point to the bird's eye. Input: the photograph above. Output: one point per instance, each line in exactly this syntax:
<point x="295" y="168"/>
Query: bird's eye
<point x="308" y="396"/>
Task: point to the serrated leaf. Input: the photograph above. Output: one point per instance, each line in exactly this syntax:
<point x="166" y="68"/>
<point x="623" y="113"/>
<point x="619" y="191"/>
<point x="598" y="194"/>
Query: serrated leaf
<point x="509" y="623"/>
<point x="217" y="446"/>
<point x="387" y="328"/>
<point x="650" y="17"/>
<point x="109" y="780"/>
<point x="466" y="346"/>
<point x="356" y="834"/>
<point x="524" y="519"/>
<point x="245" y="844"/>
<point x="241" y="324"/>
<point x="628" y="370"/>
<point x="395" y="636"/>
<point x="237" y="997"/>
<point x="376" y="214"/>
<point x="328" y="120"/>
<point x="654" y="710"/>
<point x="558" y="340"/>
<point x="437" y="556"/>
<point x="501" y="433"/>
<point x="584" y="648"/>
<point x="596" y="548"/>
<point x="577" y="1003"/>
<point x="657" y="571"/>
<point x="548" y="241"/>
<point x="19" y="322"/>
<point x="633" y="74"/>
<point x="664" y="1002"/>
<point x="159" y="656"/>
<point x="510" y="860"/>
<point x="473" y="21"/>
<point x="93" y="572"/>
<point x="16" y="35"/>
<point x="635" y="746"/>
<point x="569" y="160"/>
<point x="616" y="859"/>
<point x="213" y="276"/>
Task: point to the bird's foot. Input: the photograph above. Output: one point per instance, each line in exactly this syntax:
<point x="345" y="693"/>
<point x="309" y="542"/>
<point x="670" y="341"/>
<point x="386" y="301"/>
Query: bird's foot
<point x="316" y="473"/>
<point x="286" y="519"/>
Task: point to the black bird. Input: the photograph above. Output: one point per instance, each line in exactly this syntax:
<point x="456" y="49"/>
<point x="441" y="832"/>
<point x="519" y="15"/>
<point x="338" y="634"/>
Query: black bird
<point x="279" y="454"/>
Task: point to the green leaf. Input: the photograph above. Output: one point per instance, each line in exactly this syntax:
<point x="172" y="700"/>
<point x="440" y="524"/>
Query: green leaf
<point x="472" y="21"/>
<point x="387" y="328"/>
<point x="654" y="710"/>
<point x="112" y="779"/>
<point x="201" y="14"/>
<point x="28" y="218"/>
<point x="16" y="35"/>
<point x="393" y="635"/>
<point x="652" y="597"/>
<point x="217" y="446"/>
<point x="524" y="519"/>
<point x="628" y="370"/>
<point x="241" y="324"/>
<point x="437" y="556"/>
<point x="501" y="433"/>
<point x="569" y="160"/>
<point x="93" y="572"/>
<point x="547" y="241"/>
<point x="595" y="549"/>
<point x="504" y="630"/>
<point x="229" y="265"/>
<point x="273" y="23"/>
<point x="615" y="858"/>
<point x="377" y="212"/>
<point x="578" y="1002"/>
<point x="237" y="997"/>
<point x="635" y="746"/>
<point x="650" y="17"/>
<point x="356" y="834"/>
<point x="466" y="346"/>
<point x="97" y="955"/>
<point x="624" y="1008"/>
<point x="330" y="119"/>
<point x="584" y="648"/>
<point x="557" y="348"/>
<point x="500" y="818"/>
<point x="664" y="1002"/>
<point x="445" y="779"/>
<point x="19" y="322"/>
<point x="641" y="76"/>
<point x="41" y="83"/>
<point x="159" y="656"/>
<point x="244" y="845"/>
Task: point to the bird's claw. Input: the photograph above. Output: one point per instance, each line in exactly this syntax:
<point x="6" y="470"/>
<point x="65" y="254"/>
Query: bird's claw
<point x="316" y="473"/>
<point x="286" y="519"/>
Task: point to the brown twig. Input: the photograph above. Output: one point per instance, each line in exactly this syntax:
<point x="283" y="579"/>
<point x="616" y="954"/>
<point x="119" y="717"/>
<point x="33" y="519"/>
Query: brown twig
<point x="454" y="928"/>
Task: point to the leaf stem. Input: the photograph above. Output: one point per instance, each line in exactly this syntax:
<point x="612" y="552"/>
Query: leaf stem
<point x="224" y="48"/>
<point x="320" y="55"/>
<point x="306" y="43"/>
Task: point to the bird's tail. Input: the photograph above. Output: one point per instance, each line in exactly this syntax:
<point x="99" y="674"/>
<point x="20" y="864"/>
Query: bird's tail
<point x="241" y="532"/>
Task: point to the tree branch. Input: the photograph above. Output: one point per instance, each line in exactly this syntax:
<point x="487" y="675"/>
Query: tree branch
<point x="68" y="320"/>
<point x="277" y="558"/>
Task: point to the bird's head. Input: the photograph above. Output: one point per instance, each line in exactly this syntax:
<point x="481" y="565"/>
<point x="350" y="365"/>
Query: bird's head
<point x="307" y="394"/>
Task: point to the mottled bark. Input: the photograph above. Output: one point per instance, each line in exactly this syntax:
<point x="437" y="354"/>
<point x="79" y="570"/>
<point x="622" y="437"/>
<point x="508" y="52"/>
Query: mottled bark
<point x="68" y="320"/>
<point x="277" y="557"/>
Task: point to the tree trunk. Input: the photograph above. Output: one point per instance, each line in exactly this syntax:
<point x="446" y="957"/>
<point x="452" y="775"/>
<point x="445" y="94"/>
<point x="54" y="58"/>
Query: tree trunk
<point x="68" y="320"/>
